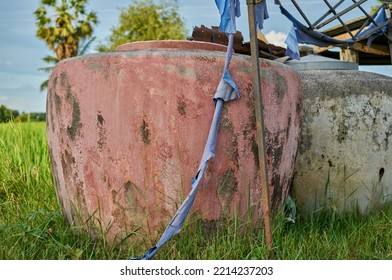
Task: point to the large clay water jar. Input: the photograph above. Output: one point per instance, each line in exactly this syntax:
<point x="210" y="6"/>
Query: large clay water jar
<point x="127" y="130"/>
<point x="344" y="162"/>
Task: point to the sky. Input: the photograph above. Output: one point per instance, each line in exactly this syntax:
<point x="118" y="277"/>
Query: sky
<point x="21" y="52"/>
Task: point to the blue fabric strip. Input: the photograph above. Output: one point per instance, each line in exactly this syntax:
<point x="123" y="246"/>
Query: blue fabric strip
<point x="261" y="14"/>
<point x="299" y="33"/>
<point x="227" y="89"/>
<point x="379" y="19"/>
<point x="228" y="9"/>
<point x="292" y="44"/>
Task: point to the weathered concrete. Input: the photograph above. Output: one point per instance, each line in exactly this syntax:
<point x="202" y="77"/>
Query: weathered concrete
<point x="127" y="129"/>
<point x="345" y="155"/>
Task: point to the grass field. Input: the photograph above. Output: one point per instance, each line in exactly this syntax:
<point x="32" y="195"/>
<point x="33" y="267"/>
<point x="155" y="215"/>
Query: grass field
<point x="32" y="226"/>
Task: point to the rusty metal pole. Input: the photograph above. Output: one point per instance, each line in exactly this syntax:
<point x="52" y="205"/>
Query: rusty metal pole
<point x="260" y="131"/>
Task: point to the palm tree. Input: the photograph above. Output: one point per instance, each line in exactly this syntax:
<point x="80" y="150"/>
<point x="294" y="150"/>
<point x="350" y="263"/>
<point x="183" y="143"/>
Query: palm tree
<point x="63" y="25"/>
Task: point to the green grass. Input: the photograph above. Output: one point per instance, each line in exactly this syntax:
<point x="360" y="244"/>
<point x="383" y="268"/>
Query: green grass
<point x="32" y="226"/>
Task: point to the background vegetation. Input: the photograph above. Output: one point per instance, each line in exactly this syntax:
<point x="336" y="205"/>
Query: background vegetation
<point x="146" y="20"/>
<point x="7" y="115"/>
<point x="32" y="226"/>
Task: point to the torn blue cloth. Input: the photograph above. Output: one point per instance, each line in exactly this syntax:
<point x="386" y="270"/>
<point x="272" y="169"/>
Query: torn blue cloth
<point x="226" y="91"/>
<point x="261" y="14"/>
<point x="228" y="9"/>
<point x="299" y="33"/>
<point x="378" y="19"/>
<point x="291" y="41"/>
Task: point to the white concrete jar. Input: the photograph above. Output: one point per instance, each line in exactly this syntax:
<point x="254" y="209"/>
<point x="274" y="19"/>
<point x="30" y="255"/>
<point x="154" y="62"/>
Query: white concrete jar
<point x="345" y="154"/>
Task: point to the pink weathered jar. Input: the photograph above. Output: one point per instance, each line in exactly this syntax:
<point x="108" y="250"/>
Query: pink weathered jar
<point x="127" y="129"/>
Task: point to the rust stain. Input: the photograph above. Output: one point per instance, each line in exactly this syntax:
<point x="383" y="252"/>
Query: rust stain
<point x="279" y="81"/>
<point x="232" y="142"/>
<point x="342" y="132"/>
<point x="80" y="192"/>
<point x="226" y="123"/>
<point x="227" y="188"/>
<point x="181" y="106"/>
<point x="55" y="82"/>
<point x="232" y="150"/>
<point x="299" y="108"/>
<point x="67" y="160"/>
<point x="288" y="127"/>
<point x="276" y="197"/>
<point x="249" y="131"/>
<point x="145" y="132"/>
<point x="57" y="102"/>
<point x="101" y="131"/>
<point x="274" y="150"/>
<point x="63" y="79"/>
<point x="68" y="163"/>
<point x="255" y="151"/>
<point x="100" y="119"/>
<point x="282" y="86"/>
<point x="74" y="129"/>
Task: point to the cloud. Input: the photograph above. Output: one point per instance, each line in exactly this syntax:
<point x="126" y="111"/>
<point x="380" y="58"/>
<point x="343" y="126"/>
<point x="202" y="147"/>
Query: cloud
<point x="3" y="98"/>
<point x="276" y="38"/>
<point x="8" y="62"/>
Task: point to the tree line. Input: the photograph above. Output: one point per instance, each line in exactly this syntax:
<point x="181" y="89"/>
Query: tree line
<point x="7" y="115"/>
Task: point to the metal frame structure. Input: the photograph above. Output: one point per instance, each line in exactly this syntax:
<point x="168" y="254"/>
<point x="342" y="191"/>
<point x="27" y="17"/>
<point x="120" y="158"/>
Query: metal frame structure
<point x="322" y="21"/>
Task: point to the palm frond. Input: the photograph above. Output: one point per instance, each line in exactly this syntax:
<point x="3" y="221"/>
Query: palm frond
<point x="50" y="59"/>
<point x="84" y="46"/>
<point x="44" y="85"/>
<point x="48" y="69"/>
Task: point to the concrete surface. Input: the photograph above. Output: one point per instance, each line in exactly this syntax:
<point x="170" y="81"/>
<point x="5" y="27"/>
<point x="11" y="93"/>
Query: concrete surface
<point x="345" y="156"/>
